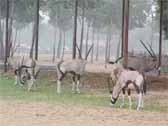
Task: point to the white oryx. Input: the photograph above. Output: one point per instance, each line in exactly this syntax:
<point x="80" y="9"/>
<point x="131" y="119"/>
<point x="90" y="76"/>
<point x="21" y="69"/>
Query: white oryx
<point x="76" y="67"/>
<point x="124" y="78"/>
<point x="25" y="70"/>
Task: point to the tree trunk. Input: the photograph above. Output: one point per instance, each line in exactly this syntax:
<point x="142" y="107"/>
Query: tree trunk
<point x="33" y="34"/>
<point x="11" y="27"/>
<point x="75" y="30"/>
<point x="33" y="41"/>
<point x="37" y="28"/>
<point x="82" y="29"/>
<point x="1" y="42"/>
<point x="54" y="45"/>
<point x="87" y="39"/>
<point x="109" y="49"/>
<point x="93" y="37"/>
<point x="106" y="47"/>
<point x="14" y="48"/>
<point x="97" y="47"/>
<point x="63" y="51"/>
<point x="6" y="36"/>
<point x="59" y="44"/>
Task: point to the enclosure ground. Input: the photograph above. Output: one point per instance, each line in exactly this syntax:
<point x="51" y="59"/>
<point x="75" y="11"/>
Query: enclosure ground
<point x="22" y="113"/>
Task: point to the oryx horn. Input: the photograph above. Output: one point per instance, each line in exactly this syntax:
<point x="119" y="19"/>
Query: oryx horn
<point x="88" y="52"/>
<point x="80" y="55"/>
<point x="147" y="49"/>
<point x="118" y="59"/>
<point x="152" y="50"/>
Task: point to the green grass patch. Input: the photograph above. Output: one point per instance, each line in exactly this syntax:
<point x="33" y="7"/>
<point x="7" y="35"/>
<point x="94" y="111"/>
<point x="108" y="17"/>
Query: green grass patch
<point x="46" y="91"/>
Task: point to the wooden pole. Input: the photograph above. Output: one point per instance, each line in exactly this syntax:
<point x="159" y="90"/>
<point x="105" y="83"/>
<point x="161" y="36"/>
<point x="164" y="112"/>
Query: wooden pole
<point x="125" y="32"/>
<point x="6" y="36"/>
<point x="122" y="44"/>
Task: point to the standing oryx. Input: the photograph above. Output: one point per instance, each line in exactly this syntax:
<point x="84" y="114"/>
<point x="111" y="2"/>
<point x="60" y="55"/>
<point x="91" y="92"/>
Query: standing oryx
<point x="124" y="78"/>
<point x="76" y="67"/>
<point x="25" y="70"/>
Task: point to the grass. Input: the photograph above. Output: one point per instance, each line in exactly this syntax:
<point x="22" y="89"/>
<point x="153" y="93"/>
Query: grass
<point x="46" y="91"/>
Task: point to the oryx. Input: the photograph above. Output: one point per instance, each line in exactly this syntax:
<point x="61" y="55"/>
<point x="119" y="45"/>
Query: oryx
<point x="144" y="64"/>
<point x="76" y="67"/>
<point x="124" y="78"/>
<point x="25" y="70"/>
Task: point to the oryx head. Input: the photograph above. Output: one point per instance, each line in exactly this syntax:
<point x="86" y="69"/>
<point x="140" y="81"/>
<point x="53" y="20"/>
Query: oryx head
<point x="115" y="92"/>
<point x="115" y="69"/>
<point x="24" y="75"/>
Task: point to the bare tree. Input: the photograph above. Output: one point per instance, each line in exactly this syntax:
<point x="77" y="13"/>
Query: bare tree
<point x="6" y="36"/>
<point x="37" y="28"/>
<point x="75" y="30"/>
<point x="82" y="29"/>
<point x="87" y="39"/>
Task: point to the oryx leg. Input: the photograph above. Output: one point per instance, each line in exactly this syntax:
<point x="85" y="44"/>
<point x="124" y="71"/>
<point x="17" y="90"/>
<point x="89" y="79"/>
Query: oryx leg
<point x="73" y="83"/>
<point x="129" y="98"/>
<point x="60" y="78"/>
<point x="16" y="77"/>
<point x="78" y="84"/>
<point x="123" y="98"/>
<point x="30" y="83"/>
<point x="139" y="101"/>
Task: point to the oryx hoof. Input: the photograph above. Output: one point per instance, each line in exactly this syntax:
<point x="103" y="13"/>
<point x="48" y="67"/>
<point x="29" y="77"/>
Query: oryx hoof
<point x="111" y="105"/>
<point x="122" y="105"/>
<point x="139" y="108"/>
<point x="78" y="92"/>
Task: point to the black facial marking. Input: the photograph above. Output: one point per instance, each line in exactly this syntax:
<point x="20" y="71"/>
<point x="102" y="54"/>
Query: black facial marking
<point x="113" y="100"/>
<point x="129" y="92"/>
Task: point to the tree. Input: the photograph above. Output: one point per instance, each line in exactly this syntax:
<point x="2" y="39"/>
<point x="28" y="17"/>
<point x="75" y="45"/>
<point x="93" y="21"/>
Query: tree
<point x="6" y="35"/>
<point x="165" y="16"/>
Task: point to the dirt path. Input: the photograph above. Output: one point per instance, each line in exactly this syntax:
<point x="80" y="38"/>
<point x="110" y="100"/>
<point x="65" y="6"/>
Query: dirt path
<point x="19" y="113"/>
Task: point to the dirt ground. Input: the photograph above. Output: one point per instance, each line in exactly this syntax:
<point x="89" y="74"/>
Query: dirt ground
<point x="22" y="113"/>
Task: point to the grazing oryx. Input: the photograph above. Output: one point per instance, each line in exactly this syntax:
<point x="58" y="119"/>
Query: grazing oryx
<point x="76" y="67"/>
<point x="25" y="70"/>
<point x="124" y="78"/>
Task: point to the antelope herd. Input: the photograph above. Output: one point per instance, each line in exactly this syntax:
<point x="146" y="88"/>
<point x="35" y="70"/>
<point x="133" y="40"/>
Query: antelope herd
<point x="123" y="78"/>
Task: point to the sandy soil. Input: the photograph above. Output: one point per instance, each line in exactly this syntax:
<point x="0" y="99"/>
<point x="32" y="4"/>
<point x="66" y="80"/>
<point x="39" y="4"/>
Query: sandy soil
<point x="19" y="113"/>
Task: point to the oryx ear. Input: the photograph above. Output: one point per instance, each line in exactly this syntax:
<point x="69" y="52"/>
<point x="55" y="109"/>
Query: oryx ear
<point x="80" y="55"/>
<point x="88" y="52"/>
<point x="152" y="51"/>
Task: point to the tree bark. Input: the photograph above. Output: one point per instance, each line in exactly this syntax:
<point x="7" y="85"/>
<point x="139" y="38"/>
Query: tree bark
<point x="59" y="44"/>
<point x="1" y="42"/>
<point x="75" y="30"/>
<point x="82" y="29"/>
<point x="54" y="45"/>
<point x="87" y="39"/>
<point x="11" y="27"/>
<point x="37" y="28"/>
<point x="33" y="34"/>
<point x="63" y="51"/>
<point x="6" y="36"/>
<point x="93" y="37"/>
<point x="33" y="41"/>
<point x="97" y="47"/>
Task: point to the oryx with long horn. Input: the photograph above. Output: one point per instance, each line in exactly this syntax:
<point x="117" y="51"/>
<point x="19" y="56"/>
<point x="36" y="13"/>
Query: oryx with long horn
<point x="123" y="79"/>
<point x="144" y="63"/>
<point x="25" y="70"/>
<point x="76" y="67"/>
